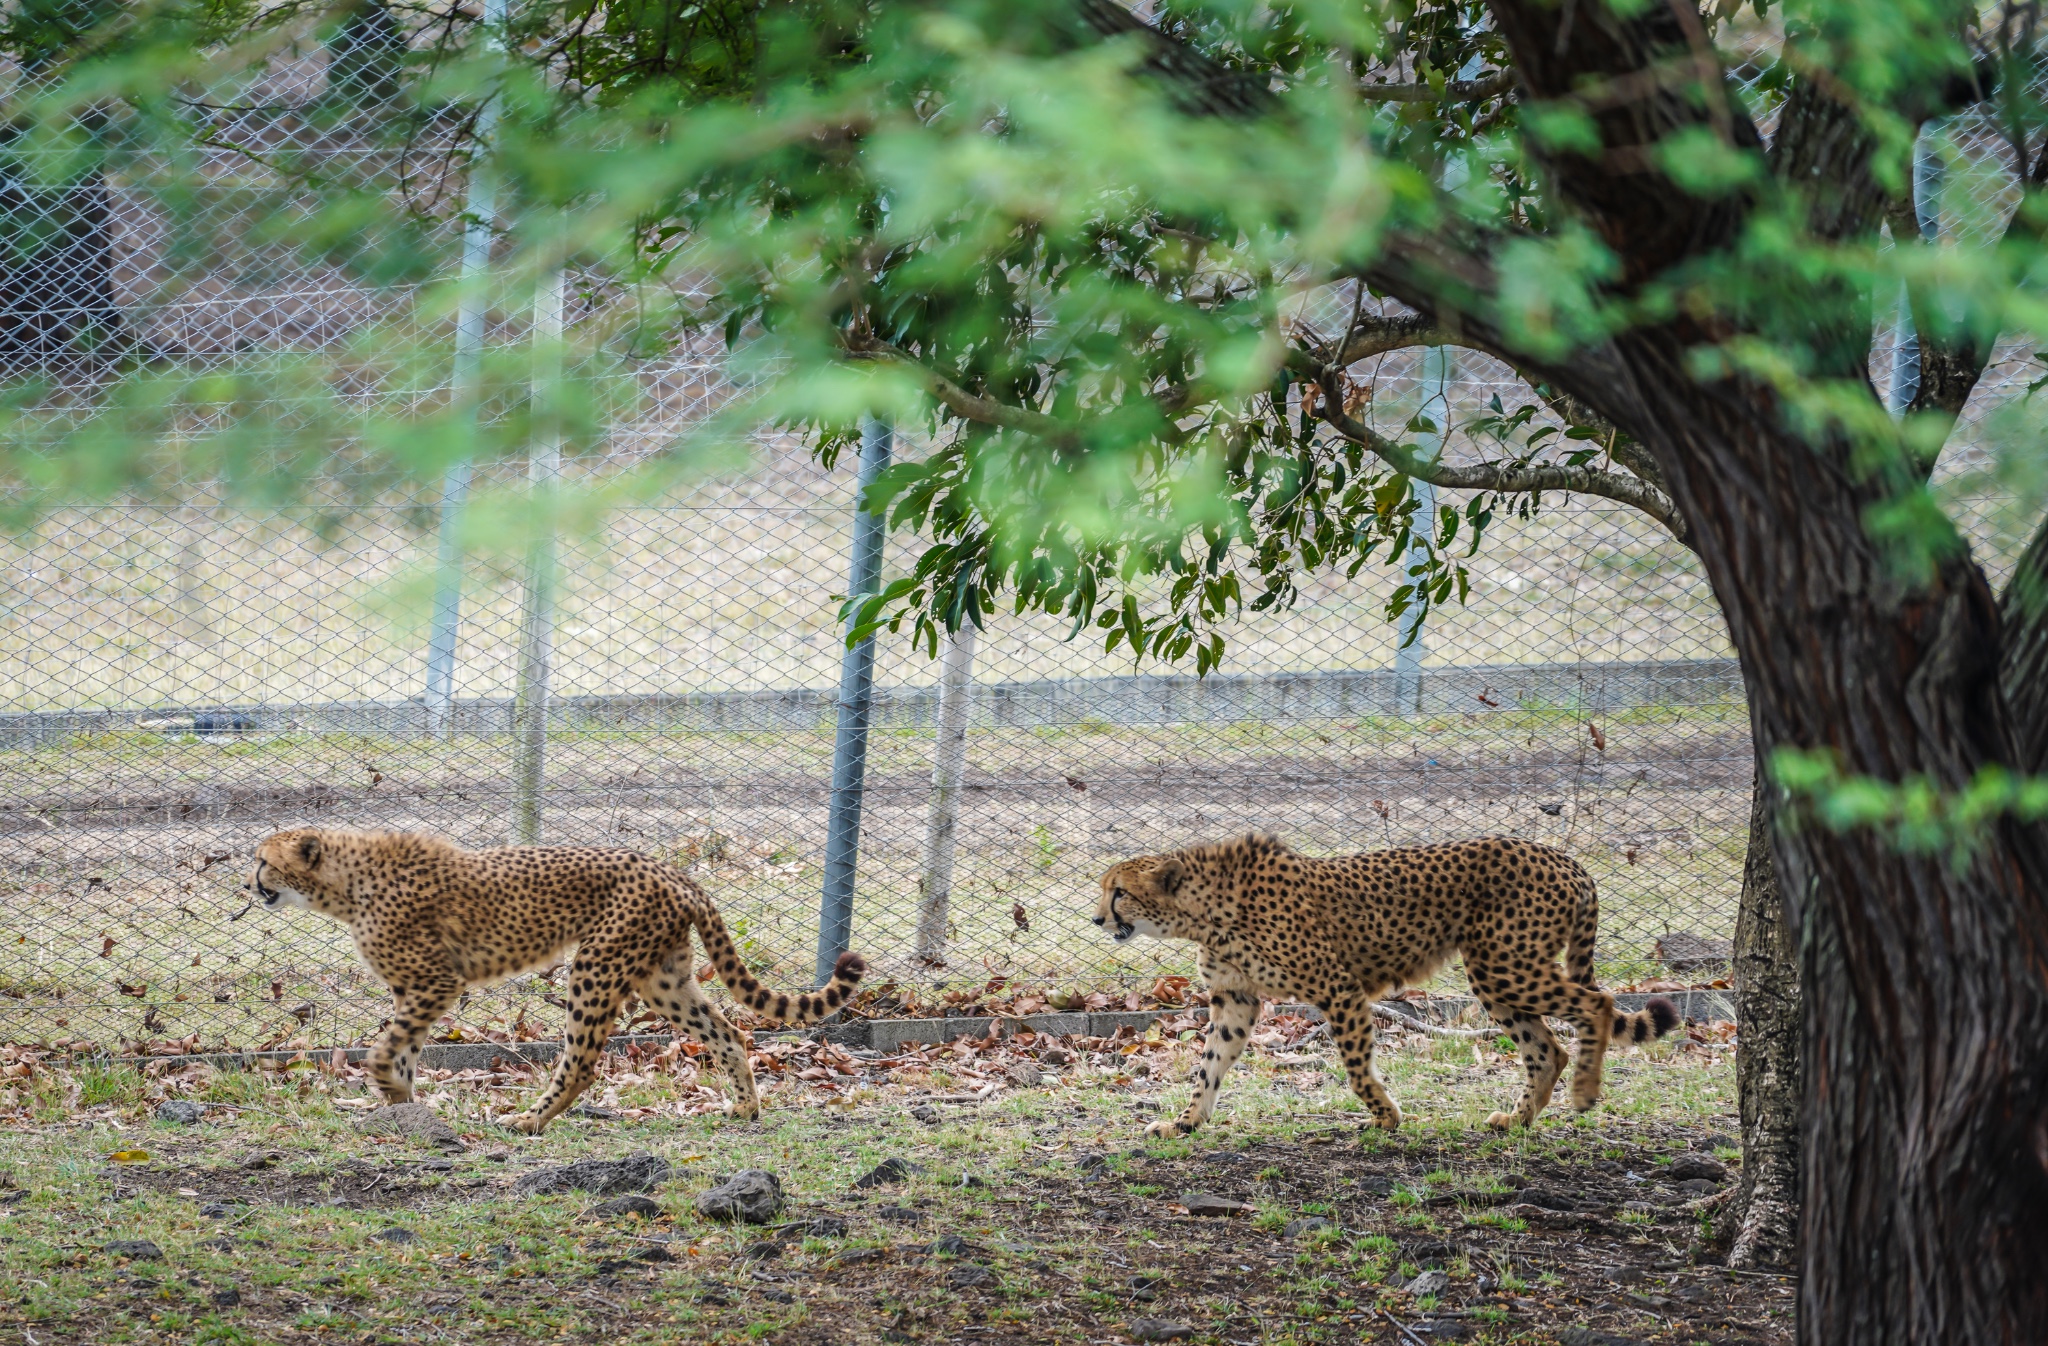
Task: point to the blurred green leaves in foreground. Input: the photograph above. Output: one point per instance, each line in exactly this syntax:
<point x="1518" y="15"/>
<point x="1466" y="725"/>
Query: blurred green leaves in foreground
<point x="1112" y="279"/>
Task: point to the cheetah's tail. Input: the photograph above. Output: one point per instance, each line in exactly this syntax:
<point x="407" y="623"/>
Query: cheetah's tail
<point x="1657" y="1017"/>
<point x="796" y="1010"/>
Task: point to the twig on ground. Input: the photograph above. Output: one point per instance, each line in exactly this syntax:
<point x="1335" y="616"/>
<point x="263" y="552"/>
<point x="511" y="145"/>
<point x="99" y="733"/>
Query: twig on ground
<point x="1402" y="1328"/>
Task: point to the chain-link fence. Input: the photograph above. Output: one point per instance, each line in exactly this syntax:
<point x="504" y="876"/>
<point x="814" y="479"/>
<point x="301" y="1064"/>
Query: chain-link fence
<point x="178" y="679"/>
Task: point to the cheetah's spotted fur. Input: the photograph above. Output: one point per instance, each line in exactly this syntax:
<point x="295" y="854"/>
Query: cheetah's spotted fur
<point x="433" y="920"/>
<point x="1340" y="933"/>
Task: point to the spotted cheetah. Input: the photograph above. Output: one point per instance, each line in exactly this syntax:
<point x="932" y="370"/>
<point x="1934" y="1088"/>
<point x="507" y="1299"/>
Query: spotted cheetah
<point x="1340" y="933"/>
<point x="433" y="920"/>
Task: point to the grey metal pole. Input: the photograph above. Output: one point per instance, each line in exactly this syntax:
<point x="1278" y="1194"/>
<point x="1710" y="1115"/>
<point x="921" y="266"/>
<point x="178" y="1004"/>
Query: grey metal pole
<point x="1436" y="404"/>
<point x="469" y="344"/>
<point x="850" y="747"/>
<point x="1927" y="212"/>
<point x="949" y="765"/>
<point x="536" y="631"/>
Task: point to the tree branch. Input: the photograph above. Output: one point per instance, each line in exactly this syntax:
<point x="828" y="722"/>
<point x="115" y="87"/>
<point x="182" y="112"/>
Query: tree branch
<point x="962" y="403"/>
<point x="1453" y="91"/>
<point x="1620" y="487"/>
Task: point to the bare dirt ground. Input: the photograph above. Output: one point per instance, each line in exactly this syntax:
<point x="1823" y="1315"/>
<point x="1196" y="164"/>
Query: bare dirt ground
<point x="1024" y="1204"/>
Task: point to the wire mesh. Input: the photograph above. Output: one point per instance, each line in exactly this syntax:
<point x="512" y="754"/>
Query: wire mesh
<point x="178" y="679"/>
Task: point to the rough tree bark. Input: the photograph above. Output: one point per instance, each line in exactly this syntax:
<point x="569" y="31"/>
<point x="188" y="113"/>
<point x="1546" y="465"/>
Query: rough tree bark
<point x="1767" y="1066"/>
<point x="1925" y="1043"/>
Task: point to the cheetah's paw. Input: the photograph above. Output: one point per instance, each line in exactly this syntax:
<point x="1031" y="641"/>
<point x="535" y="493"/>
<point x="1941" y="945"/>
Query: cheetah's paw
<point x="526" y="1124"/>
<point x="1168" y="1128"/>
<point x="1502" y="1121"/>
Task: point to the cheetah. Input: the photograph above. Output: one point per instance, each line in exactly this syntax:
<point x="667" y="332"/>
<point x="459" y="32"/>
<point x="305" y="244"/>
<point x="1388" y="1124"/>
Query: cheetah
<point x="433" y="920"/>
<point x="1340" y="933"/>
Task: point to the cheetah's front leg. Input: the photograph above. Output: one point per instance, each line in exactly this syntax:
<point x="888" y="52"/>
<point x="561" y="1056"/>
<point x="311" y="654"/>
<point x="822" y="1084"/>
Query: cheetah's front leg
<point x="1231" y="1016"/>
<point x="417" y="1003"/>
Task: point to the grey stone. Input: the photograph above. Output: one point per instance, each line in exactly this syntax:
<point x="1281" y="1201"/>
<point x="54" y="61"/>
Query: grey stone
<point x="1145" y="1289"/>
<point x="227" y="1299"/>
<point x="900" y="1215"/>
<point x="1718" y="1141"/>
<point x="818" y="1227"/>
<point x="416" y="1120"/>
<point x="628" y="1205"/>
<point x="1690" y="1166"/>
<point x="1429" y="1283"/>
<point x="141" y="1250"/>
<point x="396" y="1234"/>
<point x="1546" y="1198"/>
<point x="655" y="1253"/>
<point x="925" y="1113"/>
<point x="180" y="1111"/>
<point x="1056" y="1056"/>
<point x="1025" y="1075"/>
<point x="602" y="1177"/>
<point x="1695" y="1188"/>
<point x="753" y="1196"/>
<point x="1200" y="1203"/>
<point x="952" y="1245"/>
<point x="1159" y="1329"/>
<point x="887" y="1172"/>
<point x="968" y="1275"/>
<point x="1307" y="1224"/>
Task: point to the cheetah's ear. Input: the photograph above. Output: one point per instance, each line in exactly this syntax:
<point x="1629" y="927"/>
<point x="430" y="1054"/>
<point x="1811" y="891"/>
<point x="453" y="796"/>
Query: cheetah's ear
<point x="309" y="850"/>
<point x="1169" y="875"/>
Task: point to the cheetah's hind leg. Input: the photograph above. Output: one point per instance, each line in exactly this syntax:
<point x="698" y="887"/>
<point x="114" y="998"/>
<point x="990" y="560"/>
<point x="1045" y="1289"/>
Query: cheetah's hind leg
<point x="674" y="994"/>
<point x="606" y="964"/>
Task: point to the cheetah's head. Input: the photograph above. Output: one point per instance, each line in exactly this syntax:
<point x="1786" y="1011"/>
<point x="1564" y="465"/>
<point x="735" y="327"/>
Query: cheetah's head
<point x="1141" y="897"/>
<point x="296" y="868"/>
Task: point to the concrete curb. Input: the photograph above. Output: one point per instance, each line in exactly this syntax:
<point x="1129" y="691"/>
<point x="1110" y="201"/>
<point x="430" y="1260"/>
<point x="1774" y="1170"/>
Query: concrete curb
<point x="887" y="1035"/>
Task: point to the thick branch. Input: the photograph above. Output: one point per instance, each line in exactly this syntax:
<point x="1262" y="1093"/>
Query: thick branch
<point x="1201" y="84"/>
<point x="962" y="403"/>
<point x="1511" y="477"/>
<point x="2023" y="656"/>
<point x="1453" y="91"/>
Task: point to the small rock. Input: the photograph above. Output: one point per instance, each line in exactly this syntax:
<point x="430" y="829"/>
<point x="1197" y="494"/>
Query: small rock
<point x="409" y="1119"/>
<point x="1546" y="1198"/>
<point x="1690" y="1166"/>
<point x="778" y="1296"/>
<point x="628" y="1205"/>
<point x="499" y="1156"/>
<point x="1139" y="1069"/>
<point x="900" y="1214"/>
<point x="886" y="1172"/>
<point x="752" y="1195"/>
<point x="969" y="1274"/>
<point x="1025" y="1075"/>
<point x="1056" y="1056"/>
<point x="1145" y="1289"/>
<point x="1376" y="1186"/>
<point x="818" y="1227"/>
<point x="952" y="1245"/>
<point x="1695" y="1188"/>
<point x="181" y="1111"/>
<point x="1586" y="1336"/>
<point x="1717" y="1141"/>
<point x="141" y="1250"/>
<point x="657" y="1253"/>
<point x="1307" y="1224"/>
<point x="762" y="1252"/>
<point x="227" y="1299"/>
<point x="602" y="1177"/>
<point x="925" y="1113"/>
<point x="223" y="1244"/>
<point x="216" y="1210"/>
<point x="1429" y="1283"/>
<point x="850" y="1255"/>
<point x="396" y="1234"/>
<point x="1159" y="1329"/>
<point x="1199" y="1203"/>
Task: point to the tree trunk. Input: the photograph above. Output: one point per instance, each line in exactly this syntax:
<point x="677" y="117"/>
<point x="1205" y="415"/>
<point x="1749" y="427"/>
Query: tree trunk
<point x="1767" y="1066"/>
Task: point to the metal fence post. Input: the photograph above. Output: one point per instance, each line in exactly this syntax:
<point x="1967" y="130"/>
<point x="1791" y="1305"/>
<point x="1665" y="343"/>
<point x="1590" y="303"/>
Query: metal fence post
<point x="1927" y="210"/>
<point x="536" y="631"/>
<point x="949" y="764"/>
<point x="1436" y="404"/>
<point x="850" y="746"/>
<point x="481" y="213"/>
